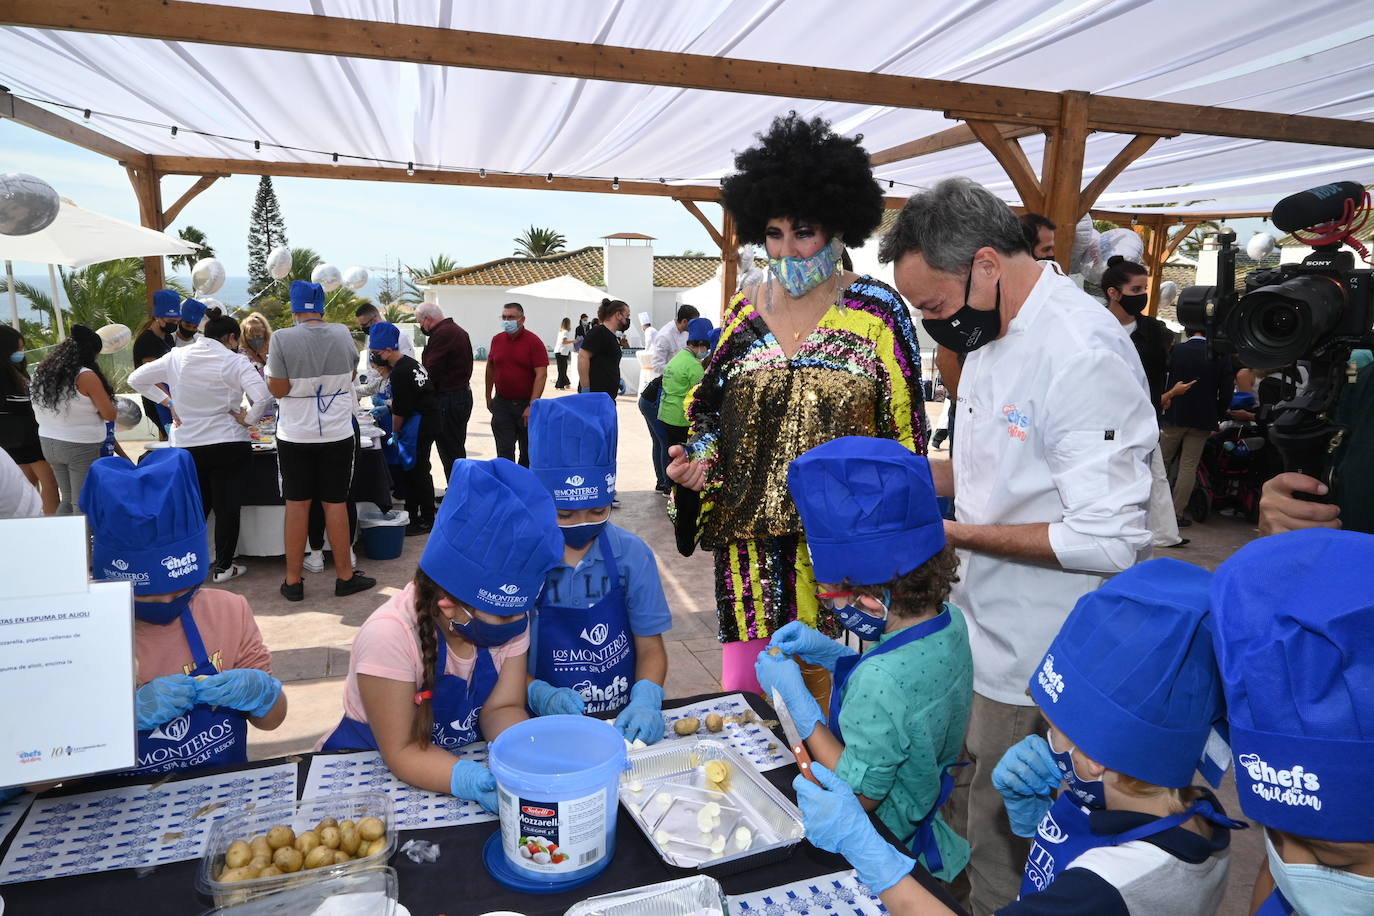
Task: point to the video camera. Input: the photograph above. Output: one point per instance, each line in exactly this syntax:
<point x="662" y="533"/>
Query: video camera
<point x="1310" y="314"/>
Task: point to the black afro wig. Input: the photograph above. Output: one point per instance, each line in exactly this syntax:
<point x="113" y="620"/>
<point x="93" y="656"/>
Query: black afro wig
<point x="802" y="170"/>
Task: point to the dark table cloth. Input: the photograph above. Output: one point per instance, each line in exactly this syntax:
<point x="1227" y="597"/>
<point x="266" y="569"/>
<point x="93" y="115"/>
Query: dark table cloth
<point x="371" y="479"/>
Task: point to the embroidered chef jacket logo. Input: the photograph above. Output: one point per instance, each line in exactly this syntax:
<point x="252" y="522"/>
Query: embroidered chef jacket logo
<point x="119" y="564"/>
<point x="575" y="480"/>
<point x="597" y="635"/>
<point x="510" y="589"/>
<point x="174" y="730"/>
<point x="1287" y="787"/>
<point x="1051" y="681"/>
<point x="1017" y="422"/>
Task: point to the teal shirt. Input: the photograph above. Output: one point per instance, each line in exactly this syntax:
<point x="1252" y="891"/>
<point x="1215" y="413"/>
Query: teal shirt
<point x="903" y="715"/>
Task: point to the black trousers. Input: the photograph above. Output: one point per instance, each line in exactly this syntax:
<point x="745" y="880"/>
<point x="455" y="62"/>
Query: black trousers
<point x="451" y="428"/>
<point x="222" y="469"/>
<point x="509" y="430"/>
<point x="419" y="483"/>
<point x="563" y="380"/>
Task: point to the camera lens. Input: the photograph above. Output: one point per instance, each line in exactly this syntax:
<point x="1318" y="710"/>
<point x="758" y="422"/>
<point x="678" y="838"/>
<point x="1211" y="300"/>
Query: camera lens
<point x="1278" y="322"/>
<point x="1276" y="325"/>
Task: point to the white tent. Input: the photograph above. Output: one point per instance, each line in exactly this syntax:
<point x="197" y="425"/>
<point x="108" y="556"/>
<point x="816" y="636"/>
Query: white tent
<point x="566" y="288"/>
<point x="78" y="238"/>
<point x="705" y="297"/>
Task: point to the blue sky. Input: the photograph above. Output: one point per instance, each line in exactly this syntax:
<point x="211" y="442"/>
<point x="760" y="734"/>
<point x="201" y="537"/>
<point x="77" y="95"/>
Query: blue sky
<point x="359" y="222"/>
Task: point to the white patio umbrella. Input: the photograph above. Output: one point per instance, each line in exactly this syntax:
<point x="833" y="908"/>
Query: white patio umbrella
<point x="78" y="238"/>
<point x="565" y="287"/>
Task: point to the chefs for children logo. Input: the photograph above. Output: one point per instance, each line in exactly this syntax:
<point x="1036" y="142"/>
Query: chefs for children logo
<point x="30" y="756"/>
<point x="1051" y="681"/>
<point x="1288" y="787"/>
<point x="602" y="699"/>
<point x="1017" y="422"/>
<point x="598" y="634"/>
<point x="180" y="566"/>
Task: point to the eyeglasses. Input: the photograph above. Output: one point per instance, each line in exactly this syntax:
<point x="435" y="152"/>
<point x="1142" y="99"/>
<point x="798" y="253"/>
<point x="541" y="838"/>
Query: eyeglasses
<point x="826" y="599"/>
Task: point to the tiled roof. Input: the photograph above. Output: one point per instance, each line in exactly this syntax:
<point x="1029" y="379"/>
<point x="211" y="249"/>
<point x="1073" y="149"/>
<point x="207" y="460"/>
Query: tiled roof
<point x="586" y="264"/>
<point x="630" y="235"/>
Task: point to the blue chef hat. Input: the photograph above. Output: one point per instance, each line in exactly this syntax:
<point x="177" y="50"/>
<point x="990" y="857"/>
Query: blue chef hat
<point x="1132" y="678"/>
<point x="868" y="506"/>
<point x="192" y="311"/>
<point x="307" y="297"/>
<point x="147" y="523"/>
<point x="166" y="304"/>
<point x="572" y="449"/>
<point x="383" y="335"/>
<point x="1295" y="641"/>
<point x="699" y="329"/>
<point x="495" y="538"/>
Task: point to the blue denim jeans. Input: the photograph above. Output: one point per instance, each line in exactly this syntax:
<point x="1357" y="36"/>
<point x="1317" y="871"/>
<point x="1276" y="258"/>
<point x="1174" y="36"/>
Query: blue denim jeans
<point x="649" y="410"/>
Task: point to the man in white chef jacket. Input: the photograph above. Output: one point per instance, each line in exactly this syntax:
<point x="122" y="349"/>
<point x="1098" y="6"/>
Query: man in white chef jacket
<point x="1050" y="472"/>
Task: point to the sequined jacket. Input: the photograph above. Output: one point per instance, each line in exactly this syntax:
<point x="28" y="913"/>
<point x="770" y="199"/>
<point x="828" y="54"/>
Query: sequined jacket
<point x="857" y="374"/>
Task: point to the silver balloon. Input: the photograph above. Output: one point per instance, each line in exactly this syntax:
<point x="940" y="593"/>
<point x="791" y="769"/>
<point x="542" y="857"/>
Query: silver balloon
<point x="278" y="263"/>
<point x="127" y="413"/>
<point x="1260" y="244"/>
<point x="211" y="303"/>
<point x="207" y="276"/>
<point x="355" y="278"/>
<point x="27" y="204"/>
<point x="328" y="276"/>
<point x="1168" y="292"/>
<point x="114" y="337"/>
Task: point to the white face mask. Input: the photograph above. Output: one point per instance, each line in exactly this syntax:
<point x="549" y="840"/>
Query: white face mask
<point x="1314" y="890"/>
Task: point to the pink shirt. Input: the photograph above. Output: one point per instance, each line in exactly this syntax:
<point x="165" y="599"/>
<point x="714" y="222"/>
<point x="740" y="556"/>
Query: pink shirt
<point x="227" y="628"/>
<point x="388" y="646"/>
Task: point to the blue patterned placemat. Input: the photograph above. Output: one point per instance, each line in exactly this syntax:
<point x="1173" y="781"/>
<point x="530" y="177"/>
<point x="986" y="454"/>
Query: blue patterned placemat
<point x="840" y="894"/>
<point x="416" y="809"/>
<point x="752" y="740"/>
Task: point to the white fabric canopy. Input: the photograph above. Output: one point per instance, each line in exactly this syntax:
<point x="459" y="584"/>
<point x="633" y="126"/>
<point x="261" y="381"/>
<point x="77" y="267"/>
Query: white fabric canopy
<point x="80" y="237"/>
<point x="567" y="288"/>
<point x="1312" y="58"/>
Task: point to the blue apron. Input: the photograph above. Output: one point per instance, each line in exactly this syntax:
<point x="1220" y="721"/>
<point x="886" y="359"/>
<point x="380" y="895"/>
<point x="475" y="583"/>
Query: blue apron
<point x="204" y="737"/>
<point x="1064" y="834"/>
<point x="589" y="649"/>
<point x="456" y="704"/>
<point x="922" y="839"/>
<point x="401" y="449"/>
<point x="1275" y="905"/>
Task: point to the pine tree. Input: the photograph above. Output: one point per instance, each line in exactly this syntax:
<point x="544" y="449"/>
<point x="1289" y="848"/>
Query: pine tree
<point x="266" y="230"/>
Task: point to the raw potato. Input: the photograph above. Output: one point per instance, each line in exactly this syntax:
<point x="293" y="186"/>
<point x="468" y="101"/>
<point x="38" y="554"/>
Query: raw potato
<point x="371" y="828"/>
<point x="349" y="839"/>
<point x="714" y="723"/>
<point x="329" y="836"/>
<point x="260" y="862"/>
<point x="235" y="874"/>
<point x="326" y="822"/>
<point x="319" y="857"/>
<point x="270" y="871"/>
<point x="307" y="841"/>
<point x="687" y="726"/>
<point x="774" y="651"/>
<point x="340" y="857"/>
<point x="344" y="825"/>
<point x="280" y="836"/>
<point x="288" y="859"/>
<point x="238" y="854"/>
<point x="378" y="846"/>
<point x="261" y="848"/>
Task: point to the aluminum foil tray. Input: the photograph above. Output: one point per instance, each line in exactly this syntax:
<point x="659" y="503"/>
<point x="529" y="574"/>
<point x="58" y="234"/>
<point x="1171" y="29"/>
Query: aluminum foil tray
<point x="666" y="787"/>
<point x="700" y="895"/>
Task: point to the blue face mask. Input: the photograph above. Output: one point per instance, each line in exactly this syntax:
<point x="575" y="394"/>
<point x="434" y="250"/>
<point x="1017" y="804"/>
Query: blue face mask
<point x="510" y="327"/>
<point x="17" y="356"/>
<point x="485" y="635"/>
<point x="1313" y="889"/>
<point x="1093" y="794"/>
<point x="799" y="276"/>
<point x="860" y="622"/>
<point x="164" y="613"/>
<point x="577" y="536"/>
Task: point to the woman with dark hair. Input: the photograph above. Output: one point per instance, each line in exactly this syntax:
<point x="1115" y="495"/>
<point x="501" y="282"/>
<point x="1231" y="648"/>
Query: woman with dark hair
<point x="153" y="341"/>
<point x="73" y="402"/>
<point x="18" y="428"/>
<point x="598" y="362"/>
<point x="1126" y="285"/>
<point x="811" y="353"/>
<point x="561" y="351"/>
<point x="203" y="385"/>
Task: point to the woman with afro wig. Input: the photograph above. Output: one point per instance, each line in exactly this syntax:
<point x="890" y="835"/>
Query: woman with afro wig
<point x="810" y="353"/>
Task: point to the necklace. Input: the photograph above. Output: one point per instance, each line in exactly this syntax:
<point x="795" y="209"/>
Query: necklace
<point x="834" y="299"/>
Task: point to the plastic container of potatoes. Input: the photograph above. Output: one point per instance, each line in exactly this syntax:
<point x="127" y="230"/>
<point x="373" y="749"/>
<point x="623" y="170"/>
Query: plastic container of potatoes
<point x="300" y="817"/>
<point x="368" y="890"/>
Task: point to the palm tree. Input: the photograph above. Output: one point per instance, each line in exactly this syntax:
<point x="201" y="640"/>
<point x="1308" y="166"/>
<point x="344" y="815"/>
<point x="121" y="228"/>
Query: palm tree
<point x="112" y="292"/>
<point x="196" y="237"/>
<point x="1192" y="246"/>
<point x="338" y="305"/>
<point x="411" y="293"/>
<point x="539" y="243"/>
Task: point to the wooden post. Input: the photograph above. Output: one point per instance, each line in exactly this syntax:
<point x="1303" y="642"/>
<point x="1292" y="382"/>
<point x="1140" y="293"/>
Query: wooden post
<point x="729" y="253"/>
<point x="1063" y="177"/>
<point x="148" y="189"/>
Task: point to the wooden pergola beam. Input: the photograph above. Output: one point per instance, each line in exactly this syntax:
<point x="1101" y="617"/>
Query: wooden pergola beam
<point x="74" y="132"/>
<point x="950" y="138"/>
<point x="729" y="276"/>
<point x="706" y="224"/>
<point x="1012" y="158"/>
<point x="148" y="190"/>
<point x="1139" y="145"/>
<point x="1062" y="178"/>
<point x="172" y="212"/>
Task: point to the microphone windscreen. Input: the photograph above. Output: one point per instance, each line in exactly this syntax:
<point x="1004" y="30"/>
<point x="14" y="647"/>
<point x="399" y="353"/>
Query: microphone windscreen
<point x="1315" y="205"/>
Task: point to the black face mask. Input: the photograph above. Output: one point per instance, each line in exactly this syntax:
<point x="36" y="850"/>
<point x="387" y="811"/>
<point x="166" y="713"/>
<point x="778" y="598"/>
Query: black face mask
<point x="969" y="328"/>
<point x="185" y="334"/>
<point x="1134" y="305"/>
<point x="424" y="331"/>
<point x="169" y="327"/>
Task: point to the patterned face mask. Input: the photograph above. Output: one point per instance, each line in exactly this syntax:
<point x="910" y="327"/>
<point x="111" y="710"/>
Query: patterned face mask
<point x="798" y="276"/>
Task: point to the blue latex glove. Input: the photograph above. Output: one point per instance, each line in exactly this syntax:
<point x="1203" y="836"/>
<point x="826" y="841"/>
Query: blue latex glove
<point x="473" y="781"/>
<point x="250" y="690"/>
<point x="798" y="639"/>
<point x="544" y="699"/>
<point x="780" y="673"/>
<point x="643" y="718"/>
<point x="835" y="821"/>
<point x="1026" y="775"/>
<point x="163" y="699"/>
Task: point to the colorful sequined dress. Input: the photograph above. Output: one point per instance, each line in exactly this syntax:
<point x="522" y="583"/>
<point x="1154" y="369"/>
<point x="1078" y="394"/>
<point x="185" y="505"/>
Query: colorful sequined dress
<point x="857" y="374"/>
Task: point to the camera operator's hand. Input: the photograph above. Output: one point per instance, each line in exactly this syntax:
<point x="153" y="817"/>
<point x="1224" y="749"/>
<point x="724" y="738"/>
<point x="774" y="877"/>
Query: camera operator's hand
<point x="1281" y="511"/>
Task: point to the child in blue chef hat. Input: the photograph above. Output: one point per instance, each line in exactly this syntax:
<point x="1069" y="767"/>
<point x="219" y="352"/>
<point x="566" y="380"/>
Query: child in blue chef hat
<point x="598" y="639"/>
<point x="1131" y="692"/>
<point x="1295" y="642"/>
<point x="188" y="326"/>
<point x="898" y="712"/>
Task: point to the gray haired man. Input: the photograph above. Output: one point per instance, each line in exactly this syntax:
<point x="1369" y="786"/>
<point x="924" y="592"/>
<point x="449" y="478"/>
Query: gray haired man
<point x="1050" y="472"/>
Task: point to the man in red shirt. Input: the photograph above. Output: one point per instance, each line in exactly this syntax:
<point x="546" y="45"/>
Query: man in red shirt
<point x="448" y="360"/>
<point x="517" y="369"/>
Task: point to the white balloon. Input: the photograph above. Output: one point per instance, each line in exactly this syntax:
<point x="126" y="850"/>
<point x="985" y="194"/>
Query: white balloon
<point x="1168" y="292"/>
<point x="213" y="304"/>
<point x="328" y="276"/>
<point x="1122" y="242"/>
<point x="1085" y="248"/>
<point x="207" y="276"/>
<point x="1260" y="244"/>
<point x="27" y="204"/>
<point x="355" y="277"/>
<point x="115" y="337"/>
<point x="278" y="263"/>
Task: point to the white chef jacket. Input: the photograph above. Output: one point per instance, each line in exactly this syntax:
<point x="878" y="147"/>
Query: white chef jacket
<point x="667" y="342"/>
<point x="368" y="380"/>
<point x="1055" y="426"/>
<point x="206" y="380"/>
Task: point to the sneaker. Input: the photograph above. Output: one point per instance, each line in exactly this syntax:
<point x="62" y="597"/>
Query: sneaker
<point x="345" y="587"/>
<point x="314" y="561"/>
<point x="233" y="572"/>
<point x="1182" y="542"/>
<point x="293" y="592"/>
